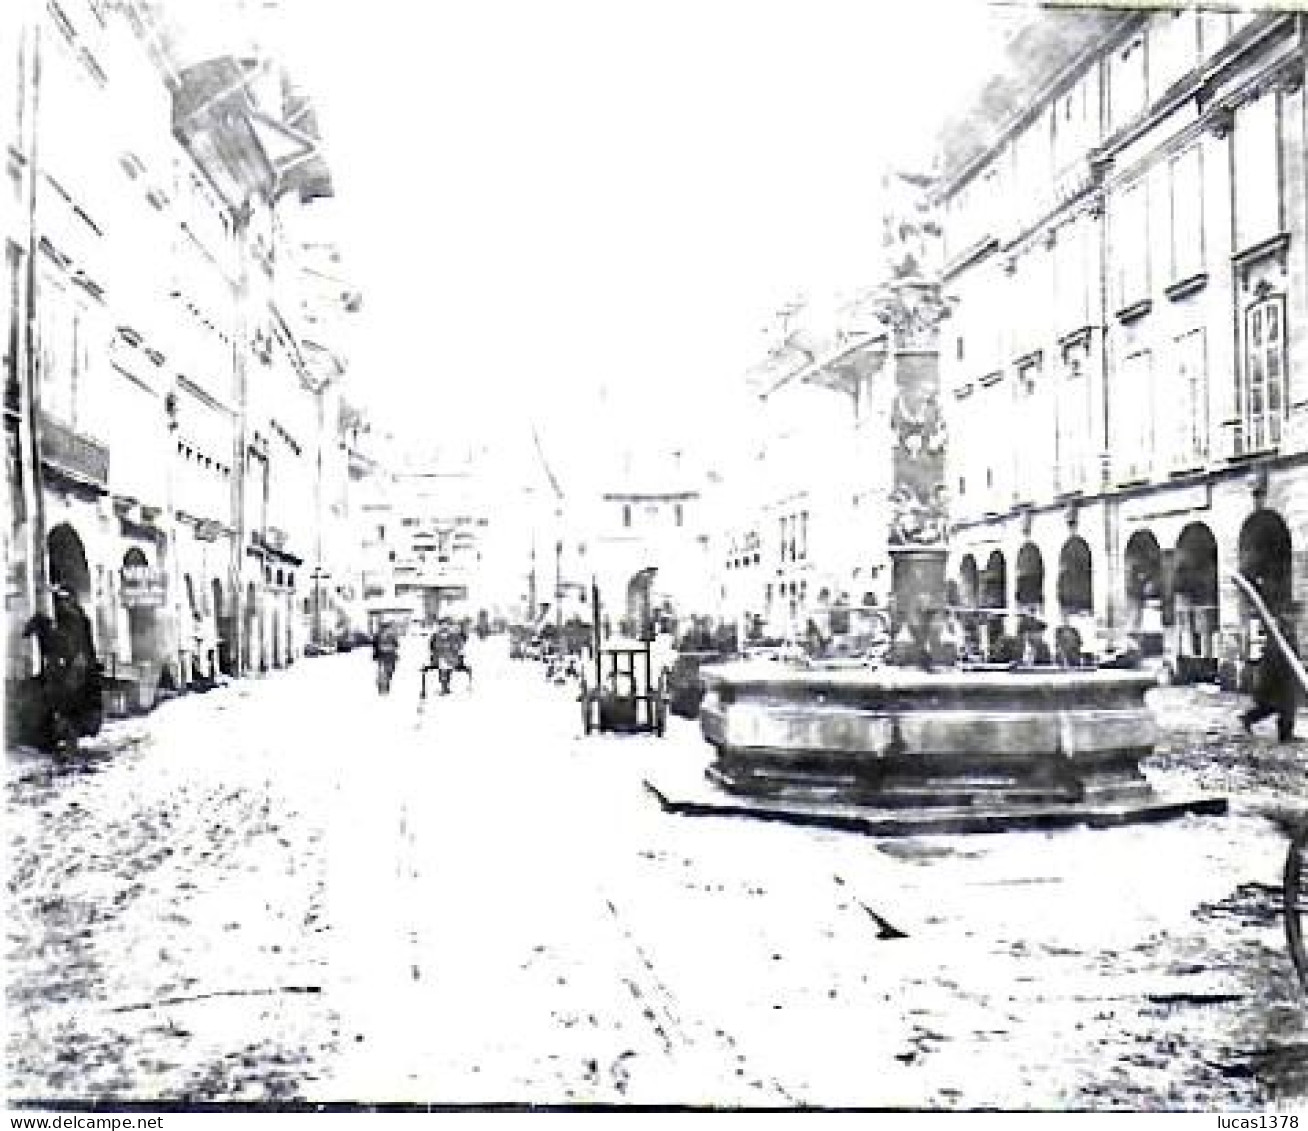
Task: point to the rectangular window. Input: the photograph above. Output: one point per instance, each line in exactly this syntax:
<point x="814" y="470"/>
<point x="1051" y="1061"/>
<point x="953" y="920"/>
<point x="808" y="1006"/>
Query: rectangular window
<point x="1187" y="200"/>
<point x="55" y="344"/>
<point x="1131" y="245"/>
<point x="13" y="273"/>
<point x="1126" y="90"/>
<point x="1032" y="460"/>
<point x="1214" y="31"/>
<point x="1071" y="287"/>
<point x="1257" y="171"/>
<point x="1132" y="412"/>
<point x="1261" y="395"/>
<point x="1072" y="422"/>
<point x="995" y="404"/>
<point x="1069" y="126"/>
<point x="1190" y="445"/>
<point x="1173" y="49"/>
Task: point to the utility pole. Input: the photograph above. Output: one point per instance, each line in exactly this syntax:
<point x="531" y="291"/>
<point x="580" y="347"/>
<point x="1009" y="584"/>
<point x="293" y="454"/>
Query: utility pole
<point x="241" y="465"/>
<point x="320" y="396"/>
<point x="531" y="583"/>
<point x="558" y="581"/>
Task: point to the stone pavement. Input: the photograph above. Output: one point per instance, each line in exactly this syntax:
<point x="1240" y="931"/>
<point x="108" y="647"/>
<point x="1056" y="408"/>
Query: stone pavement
<point x="298" y="891"/>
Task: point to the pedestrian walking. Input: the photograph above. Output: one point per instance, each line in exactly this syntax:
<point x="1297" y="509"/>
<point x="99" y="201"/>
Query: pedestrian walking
<point x="1276" y="688"/>
<point x="386" y="654"/>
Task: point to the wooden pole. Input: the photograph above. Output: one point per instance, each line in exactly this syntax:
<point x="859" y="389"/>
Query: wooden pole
<point x="598" y="628"/>
<point x="30" y="405"/>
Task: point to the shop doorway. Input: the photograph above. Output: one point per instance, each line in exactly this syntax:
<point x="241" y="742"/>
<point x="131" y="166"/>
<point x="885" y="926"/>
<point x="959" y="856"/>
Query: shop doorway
<point x="1075" y="578"/>
<point x="1029" y="593"/>
<point x="142" y="614"/>
<point x="250" y="632"/>
<point x="1143" y="562"/>
<point x="968" y="581"/>
<point x="1195" y="591"/>
<point x="67" y="560"/>
<point x="994" y="595"/>
<point x="225" y="624"/>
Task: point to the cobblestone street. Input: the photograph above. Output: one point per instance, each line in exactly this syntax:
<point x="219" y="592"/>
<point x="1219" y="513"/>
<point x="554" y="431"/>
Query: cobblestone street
<point x="293" y="890"/>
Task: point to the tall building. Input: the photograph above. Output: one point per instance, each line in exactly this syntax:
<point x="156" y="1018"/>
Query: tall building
<point x="1125" y="375"/>
<point x="161" y="386"/>
<point x="645" y="542"/>
<point x="441" y="523"/>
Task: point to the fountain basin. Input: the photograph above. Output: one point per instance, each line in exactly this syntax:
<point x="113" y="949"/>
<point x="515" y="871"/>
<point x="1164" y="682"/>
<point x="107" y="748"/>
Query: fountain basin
<point x="897" y="736"/>
<point x="901" y="752"/>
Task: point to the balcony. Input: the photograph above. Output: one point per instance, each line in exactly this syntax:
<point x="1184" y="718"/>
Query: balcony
<point x="73" y="456"/>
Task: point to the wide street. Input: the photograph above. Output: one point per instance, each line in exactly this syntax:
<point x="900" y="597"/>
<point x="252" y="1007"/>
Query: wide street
<point x="294" y="890"/>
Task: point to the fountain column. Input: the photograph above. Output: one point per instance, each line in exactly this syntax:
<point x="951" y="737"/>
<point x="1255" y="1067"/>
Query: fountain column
<point x="918" y="521"/>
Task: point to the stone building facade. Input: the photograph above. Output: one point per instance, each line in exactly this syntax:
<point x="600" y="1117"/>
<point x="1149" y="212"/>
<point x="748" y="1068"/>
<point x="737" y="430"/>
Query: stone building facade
<point x="160" y="411"/>
<point x="1125" y="365"/>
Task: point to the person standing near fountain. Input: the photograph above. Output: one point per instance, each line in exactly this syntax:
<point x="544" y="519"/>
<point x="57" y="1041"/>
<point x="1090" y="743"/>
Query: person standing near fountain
<point x="1035" y="648"/>
<point x="1275" y="690"/>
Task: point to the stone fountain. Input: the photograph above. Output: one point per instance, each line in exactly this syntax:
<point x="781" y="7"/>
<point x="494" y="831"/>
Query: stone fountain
<point x="920" y="743"/>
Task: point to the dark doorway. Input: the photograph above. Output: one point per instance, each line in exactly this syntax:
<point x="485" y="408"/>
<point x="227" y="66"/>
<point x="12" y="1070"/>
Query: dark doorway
<point x="1075" y="578"/>
<point x="142" y="618"/>
<point x="1030" y="580"/>
<point x="1195" y="590"/>
<point x="1264" y="554"/>
<point x="1143" y="562"/>
<point x="225" y="625"/>
<point x="968" y="581"/>
<point x="994" y="582"/>
<point x="67" y="558"/>
<point x="250" y="636"/>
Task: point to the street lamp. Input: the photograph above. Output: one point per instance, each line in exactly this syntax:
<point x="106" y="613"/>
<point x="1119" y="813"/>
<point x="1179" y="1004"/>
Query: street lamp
<point x="319" y="575"/>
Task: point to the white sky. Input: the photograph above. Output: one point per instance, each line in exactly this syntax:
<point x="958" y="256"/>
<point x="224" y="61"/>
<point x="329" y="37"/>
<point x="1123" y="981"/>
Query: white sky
<point x="553" y="195"/>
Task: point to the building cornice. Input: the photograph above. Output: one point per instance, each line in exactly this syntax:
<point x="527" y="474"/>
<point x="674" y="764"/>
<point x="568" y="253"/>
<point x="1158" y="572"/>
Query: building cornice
<point x="973" y="254"/>
<point x="200" y="393"/>
<point x="1232" y="469"/>
<point x="1043" y="94"/>
<point x="1200" y="84"/>
<point x="1203" y="82"/>
<point x="649" y="496"/>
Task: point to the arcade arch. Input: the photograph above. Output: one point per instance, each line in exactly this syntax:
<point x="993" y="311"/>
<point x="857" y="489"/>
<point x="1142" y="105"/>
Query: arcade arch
<point x="1029" y="582"/>
<point x="67" y="558"/>
<point x="1265" y="556"/>
<point x="1196" y="594"/>
<point x="1075" y="578"/>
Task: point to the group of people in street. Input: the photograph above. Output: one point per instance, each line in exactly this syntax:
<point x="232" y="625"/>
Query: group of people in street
<point x="69" y="703"/>
<point x="446" y="649"/>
